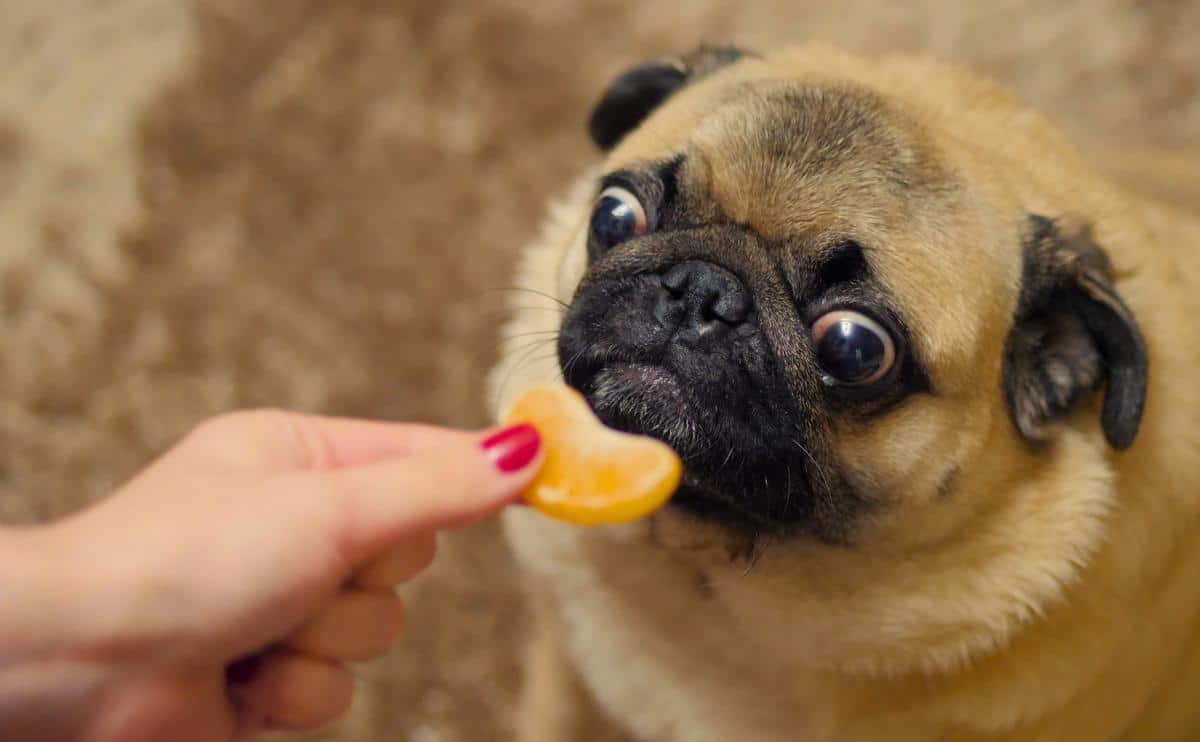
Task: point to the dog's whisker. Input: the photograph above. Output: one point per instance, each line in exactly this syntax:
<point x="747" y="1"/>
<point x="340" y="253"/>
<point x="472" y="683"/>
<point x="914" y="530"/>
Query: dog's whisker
<point x="518" y="365"/>
<point x="827" y="488"/>
<point x="502" y="351"/>
<point x="527" y="350"/>
<point x="508" y="313"/>
<point x="503" y="338"/>
<point x="547" y="356"/>
<point x="728" y="457"/>
<point x="531" y="333"/>
<point x="570" y="364"/>
<point x="524" y="308"/>
<point x="752" y="553"/>
<point x="536" y="343"/>
<point x="531" y="292"/>
<point x="787" y="492"/>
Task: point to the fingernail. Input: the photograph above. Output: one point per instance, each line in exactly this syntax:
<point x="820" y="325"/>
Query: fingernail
<point x="514" y="448"/>
<point x="244" y="669"/>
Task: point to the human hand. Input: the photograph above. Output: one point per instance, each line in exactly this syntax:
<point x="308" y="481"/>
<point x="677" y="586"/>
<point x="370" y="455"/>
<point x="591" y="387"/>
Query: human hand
<point x="222" y="590"/>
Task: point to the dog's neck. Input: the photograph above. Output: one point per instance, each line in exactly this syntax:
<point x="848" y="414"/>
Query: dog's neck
<point x="1090" y="620"/>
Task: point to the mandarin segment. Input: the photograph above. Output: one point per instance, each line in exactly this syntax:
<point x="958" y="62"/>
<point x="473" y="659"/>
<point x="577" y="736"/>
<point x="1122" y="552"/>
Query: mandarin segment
<point x="593" y="475"/>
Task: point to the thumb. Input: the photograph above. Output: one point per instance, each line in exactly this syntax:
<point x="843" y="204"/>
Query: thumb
<point x="442" y="487"/>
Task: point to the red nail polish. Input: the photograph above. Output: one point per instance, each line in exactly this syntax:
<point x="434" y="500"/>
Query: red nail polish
<point x="514" y="448"/>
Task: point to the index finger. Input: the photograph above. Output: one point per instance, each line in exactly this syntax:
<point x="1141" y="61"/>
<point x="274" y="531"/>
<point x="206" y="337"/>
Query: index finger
<point x="444" y="487"/>
<point x="277" y="439"/>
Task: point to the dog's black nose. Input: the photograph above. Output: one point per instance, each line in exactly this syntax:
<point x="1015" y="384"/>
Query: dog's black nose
<point x="700" y="300"/>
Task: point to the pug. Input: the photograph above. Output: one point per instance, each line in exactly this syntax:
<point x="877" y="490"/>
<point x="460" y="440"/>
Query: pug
<point x="932" y="376"/>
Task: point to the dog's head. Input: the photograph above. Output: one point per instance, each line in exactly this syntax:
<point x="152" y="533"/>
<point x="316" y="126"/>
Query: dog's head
<point x="860" y="303"/>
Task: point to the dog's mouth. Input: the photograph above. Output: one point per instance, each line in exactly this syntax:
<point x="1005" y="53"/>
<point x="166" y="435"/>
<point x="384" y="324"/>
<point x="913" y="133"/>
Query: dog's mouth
<point x="646" y="399"/>
<point x="668" y="367"/>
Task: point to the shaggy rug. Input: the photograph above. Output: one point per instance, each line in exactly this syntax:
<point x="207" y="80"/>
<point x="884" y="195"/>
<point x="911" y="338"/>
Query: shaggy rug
<point x="311" y="204"/>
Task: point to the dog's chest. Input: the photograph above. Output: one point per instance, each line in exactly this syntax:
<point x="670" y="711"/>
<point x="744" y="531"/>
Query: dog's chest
<point x="658" y="653"/>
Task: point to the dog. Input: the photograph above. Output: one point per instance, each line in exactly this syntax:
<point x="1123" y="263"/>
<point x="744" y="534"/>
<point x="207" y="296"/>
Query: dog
<point x="930" y="371"/>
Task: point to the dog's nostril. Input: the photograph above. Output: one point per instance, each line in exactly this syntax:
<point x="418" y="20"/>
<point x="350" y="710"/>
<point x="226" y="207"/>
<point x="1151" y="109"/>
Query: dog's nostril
<point x="730" y="307"/>
<point x="702" y="297"/>
<point x="676" y="280"/>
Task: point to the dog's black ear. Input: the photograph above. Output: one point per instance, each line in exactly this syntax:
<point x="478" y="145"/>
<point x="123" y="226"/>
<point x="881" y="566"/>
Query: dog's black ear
<point x="1071" y="333"/>
<point x="632" y="96"/>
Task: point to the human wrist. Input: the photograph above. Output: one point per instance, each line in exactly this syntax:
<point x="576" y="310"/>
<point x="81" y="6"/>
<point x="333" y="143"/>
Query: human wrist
<point x="63" y="597"/>
<point x="42" y="675"/>
<point x="34" y="596"/>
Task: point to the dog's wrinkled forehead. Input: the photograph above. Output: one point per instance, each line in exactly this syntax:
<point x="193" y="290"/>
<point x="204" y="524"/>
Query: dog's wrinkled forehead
<point x="794" y="159"/>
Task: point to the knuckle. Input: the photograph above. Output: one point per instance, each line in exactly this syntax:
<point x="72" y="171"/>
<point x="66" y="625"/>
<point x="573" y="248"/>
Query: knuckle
<point x="313" y="509"/>
<point x="236" y="428"/>
<point x="243" y="420"/>
<point x="379" y="628"/>
<point x="310" y="444"/>
<point x="342" y="495"/>
<point x="291" y="438"/>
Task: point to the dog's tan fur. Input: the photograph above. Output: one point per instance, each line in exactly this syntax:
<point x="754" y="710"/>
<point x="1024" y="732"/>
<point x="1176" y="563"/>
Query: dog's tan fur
<point x="1048" y="595"/>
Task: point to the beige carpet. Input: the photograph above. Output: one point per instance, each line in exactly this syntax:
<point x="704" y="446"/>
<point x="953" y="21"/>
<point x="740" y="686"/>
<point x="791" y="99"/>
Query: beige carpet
<point x="314" y="204"/>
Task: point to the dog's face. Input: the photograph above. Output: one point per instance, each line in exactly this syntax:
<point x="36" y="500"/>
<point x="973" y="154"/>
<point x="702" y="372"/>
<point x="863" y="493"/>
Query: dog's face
<point x="857" y="317"/>
<point x="812" y="302"/>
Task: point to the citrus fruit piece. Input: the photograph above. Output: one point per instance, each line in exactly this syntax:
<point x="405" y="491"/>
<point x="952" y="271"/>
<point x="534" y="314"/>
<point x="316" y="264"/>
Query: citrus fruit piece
<point x="593" y="474"/>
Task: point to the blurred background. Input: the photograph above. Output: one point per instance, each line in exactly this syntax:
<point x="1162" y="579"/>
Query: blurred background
<point x="217" y="203"/>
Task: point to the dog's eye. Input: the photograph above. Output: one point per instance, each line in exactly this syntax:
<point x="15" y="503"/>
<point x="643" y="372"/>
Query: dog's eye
<point x="852" y="348"/>
<point x="618" y="216"/>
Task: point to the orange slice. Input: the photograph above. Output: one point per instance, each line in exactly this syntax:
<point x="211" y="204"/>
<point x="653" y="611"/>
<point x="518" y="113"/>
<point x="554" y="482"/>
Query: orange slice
<point x="593" y="475"/>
